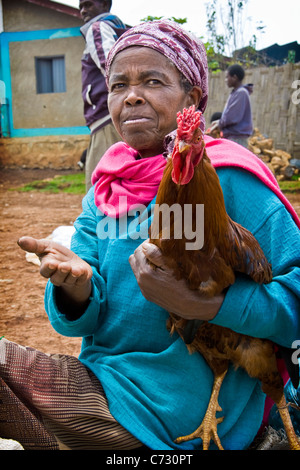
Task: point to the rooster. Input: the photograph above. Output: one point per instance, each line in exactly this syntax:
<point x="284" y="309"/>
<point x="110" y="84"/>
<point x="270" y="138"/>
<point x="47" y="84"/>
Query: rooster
<point x="190" y="178"/>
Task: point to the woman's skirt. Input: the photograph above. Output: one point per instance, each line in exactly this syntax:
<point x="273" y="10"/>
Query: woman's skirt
<point x="52" y="402"/>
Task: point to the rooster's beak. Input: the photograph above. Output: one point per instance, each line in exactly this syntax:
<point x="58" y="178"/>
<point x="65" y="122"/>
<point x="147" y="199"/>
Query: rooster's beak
<point x="182" y="146"/>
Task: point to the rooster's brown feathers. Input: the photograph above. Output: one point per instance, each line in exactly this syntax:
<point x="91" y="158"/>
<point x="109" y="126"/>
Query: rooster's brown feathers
<point x="228" y="249"/>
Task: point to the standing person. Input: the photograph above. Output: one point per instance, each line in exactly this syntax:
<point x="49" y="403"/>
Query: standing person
<point x="101" y="30"/>
<point x="135" y="384"/>
<point x="236" y="121"/>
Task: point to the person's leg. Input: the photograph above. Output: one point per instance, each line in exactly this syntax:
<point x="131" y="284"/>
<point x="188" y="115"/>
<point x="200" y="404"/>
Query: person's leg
<point x="54" y="402"/>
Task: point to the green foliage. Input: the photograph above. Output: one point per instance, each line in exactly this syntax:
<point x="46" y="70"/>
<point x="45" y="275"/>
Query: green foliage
<point x="73" y="184"/>
<point x="291" y="58"/>
<point x="154" y="18"/>
<point x="226" y="26"/>
<point x="214" y="59"/>
<point x="290" y="186"/>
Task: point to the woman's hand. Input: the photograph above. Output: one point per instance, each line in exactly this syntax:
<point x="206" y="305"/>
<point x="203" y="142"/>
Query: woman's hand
<point x="158" y="285"/>
<point x="63" y="267"/>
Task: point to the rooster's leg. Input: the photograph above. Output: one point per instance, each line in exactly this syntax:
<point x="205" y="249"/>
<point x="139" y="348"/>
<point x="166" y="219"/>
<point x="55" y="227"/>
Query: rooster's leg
<point x="260" y="362"/>
<point x="293" y="440"/>
<point x="208" y="428"/>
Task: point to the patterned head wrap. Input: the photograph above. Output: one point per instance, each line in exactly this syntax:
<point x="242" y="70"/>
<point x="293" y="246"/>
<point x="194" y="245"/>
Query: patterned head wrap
<point x="185" y="50"/>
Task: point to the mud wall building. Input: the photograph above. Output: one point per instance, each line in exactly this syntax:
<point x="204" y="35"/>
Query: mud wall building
<point x="42" y="120"/>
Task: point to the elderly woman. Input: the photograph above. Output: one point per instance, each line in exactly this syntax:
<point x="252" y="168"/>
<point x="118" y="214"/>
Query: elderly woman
<point x="134" y="384"/>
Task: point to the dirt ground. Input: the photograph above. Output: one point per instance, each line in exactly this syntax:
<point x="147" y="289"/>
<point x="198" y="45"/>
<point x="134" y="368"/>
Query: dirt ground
<point x="22" y="315"/>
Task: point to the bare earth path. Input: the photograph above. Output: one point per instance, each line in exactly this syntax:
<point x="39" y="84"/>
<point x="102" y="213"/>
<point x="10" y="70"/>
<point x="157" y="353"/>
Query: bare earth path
<point x="23" y="318"/>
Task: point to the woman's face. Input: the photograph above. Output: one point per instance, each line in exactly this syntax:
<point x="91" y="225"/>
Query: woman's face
<point x="145" y="94"/>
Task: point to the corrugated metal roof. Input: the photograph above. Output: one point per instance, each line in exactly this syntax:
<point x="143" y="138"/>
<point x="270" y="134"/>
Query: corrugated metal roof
<point x="57" y="7"/>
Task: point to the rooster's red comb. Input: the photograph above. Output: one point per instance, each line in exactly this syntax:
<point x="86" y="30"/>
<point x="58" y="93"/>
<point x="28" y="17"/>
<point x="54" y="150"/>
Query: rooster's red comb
<point x="188" y="122"/>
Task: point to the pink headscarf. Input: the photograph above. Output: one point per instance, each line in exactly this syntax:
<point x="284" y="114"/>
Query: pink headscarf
<point x="183" y="49"/>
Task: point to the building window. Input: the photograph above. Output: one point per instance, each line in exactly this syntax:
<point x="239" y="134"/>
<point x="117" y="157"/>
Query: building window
<point x="50" y="74"/>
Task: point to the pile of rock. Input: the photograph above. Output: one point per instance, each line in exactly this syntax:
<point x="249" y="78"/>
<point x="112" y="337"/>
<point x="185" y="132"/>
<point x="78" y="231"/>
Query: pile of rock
<point x="277" y="160"/>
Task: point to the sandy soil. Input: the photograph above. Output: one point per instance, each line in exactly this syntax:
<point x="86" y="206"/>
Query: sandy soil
<point x="22" y="317"/>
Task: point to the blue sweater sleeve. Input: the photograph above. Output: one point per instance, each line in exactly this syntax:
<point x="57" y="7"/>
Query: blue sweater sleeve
<point x="269" y="310"/>
<point x="85" y="244"/>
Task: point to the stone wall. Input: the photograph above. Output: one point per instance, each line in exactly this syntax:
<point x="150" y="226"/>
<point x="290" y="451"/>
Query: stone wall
<point x="274" y="112"/>
<point x="58" y="152"/>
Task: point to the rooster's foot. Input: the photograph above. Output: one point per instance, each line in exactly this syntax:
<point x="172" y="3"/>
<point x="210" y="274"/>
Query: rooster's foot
<point x="293" y="439"/>
<point x="207" y="430"/>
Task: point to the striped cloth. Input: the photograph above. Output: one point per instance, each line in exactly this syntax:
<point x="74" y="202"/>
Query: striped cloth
<point x="53" y="402"/>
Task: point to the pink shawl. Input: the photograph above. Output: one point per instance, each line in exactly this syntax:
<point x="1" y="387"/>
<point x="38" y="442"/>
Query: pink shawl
<point x="124" y="181"/>
<point x="224" y="153"/>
